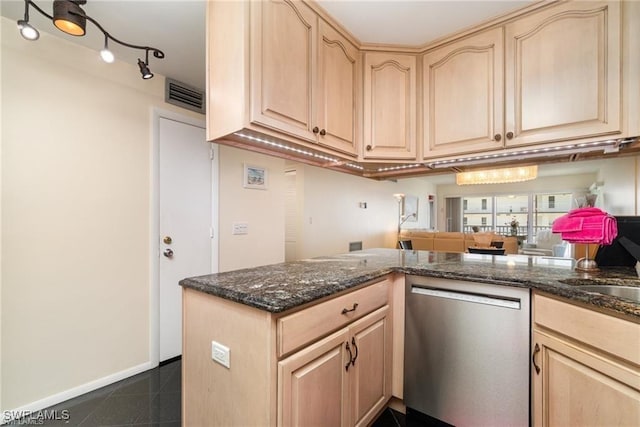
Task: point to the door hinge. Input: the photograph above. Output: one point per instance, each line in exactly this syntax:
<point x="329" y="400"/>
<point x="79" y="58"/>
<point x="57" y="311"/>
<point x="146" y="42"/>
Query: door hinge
<point x="211" y="232"/>
<point x="212" y="153"/>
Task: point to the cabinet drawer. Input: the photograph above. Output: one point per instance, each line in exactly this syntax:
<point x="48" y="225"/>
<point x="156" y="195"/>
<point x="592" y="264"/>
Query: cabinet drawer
<point x="615" y="336"/>
<point x="310" y="324"/>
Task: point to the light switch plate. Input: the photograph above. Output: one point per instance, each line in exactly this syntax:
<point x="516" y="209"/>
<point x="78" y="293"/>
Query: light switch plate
<point x="220" y="354"/>
<point x="240" y="228"/>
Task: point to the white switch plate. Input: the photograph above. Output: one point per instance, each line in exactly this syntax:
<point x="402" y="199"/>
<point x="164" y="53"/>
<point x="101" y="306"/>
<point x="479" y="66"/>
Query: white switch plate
<point x="220" y="354"/>
<point x="240" y="228"/>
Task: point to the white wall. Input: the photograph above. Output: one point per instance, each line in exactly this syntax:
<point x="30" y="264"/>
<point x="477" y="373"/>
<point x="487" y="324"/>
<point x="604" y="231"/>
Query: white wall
<point x="76" y="213"/>
<point x="75" y="176"/>
<point x="621" y="178"/>
<point x="330" y="215"/>
<point x="263" y="210"/>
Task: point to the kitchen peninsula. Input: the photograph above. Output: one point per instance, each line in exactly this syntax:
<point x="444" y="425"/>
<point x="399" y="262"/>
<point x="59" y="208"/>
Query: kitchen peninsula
<point x="281" y="331"/>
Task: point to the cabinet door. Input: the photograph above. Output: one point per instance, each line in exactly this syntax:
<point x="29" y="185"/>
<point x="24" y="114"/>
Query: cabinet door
<point x="370" y="374"/>
<point x="389" y="106"/>
<point x="283" y="52"/>
<point x="312" y="384"/>
<point x="577" y="388"/>
<point x="563" y="73"/>
<point x="338" y="70"/>
<point x="463" y="96"/>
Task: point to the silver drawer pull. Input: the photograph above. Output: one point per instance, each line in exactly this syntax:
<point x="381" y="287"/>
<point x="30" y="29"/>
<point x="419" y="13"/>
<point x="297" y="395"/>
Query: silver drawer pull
<point x="345" y="311"/>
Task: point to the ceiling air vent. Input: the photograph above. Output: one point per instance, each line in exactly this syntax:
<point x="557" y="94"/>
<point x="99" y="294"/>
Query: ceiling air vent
<point x="182" y="95"/>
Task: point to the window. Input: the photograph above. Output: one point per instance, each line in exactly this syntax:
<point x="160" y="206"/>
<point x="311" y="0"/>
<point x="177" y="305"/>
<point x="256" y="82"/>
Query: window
<point x="512" y="209"/>
<point x="532" y="213"/>
<point x="477" y="212"/>
<point x="547" y="208"/>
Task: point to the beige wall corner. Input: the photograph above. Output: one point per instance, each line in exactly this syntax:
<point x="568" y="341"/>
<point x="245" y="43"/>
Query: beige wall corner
<point x="262" y="210"/>
<point x="75" y="197"/>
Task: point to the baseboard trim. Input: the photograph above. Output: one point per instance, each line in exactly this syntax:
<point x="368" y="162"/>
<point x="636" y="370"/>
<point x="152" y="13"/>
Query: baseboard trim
<point x="54" y="399"/>
<point x="171" y="360"/>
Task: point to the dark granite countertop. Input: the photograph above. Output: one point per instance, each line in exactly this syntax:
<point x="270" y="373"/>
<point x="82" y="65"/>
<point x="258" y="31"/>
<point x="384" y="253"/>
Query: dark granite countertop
<point x="280" y="287"/>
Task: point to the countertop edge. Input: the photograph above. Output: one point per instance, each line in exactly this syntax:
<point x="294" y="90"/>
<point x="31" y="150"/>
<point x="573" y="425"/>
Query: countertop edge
<point x="604" y="303"/>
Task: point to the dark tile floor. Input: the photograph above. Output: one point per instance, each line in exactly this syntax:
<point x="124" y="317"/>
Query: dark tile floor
<point x="151" y="398"/>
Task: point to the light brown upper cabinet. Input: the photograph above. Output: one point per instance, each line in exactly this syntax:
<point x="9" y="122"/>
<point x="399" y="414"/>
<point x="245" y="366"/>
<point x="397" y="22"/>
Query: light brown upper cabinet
<point x="284" y="78"/>
<point x="339" y="82"/>
<point x="283" y="71"/>
<point x="463" y="99"/>
<point x="275" y="67"/>
<point x="563" y="68"/>
<point x="304" y="76"/>
<point x="389" y="106"/>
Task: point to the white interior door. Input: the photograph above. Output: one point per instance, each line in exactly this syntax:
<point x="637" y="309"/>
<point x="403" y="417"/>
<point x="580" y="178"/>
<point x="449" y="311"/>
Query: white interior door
<point x="185" y="221"/>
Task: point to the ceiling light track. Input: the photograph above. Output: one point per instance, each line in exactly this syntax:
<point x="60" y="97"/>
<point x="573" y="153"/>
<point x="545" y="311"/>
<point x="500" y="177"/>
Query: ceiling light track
<point x="69" y="18"/>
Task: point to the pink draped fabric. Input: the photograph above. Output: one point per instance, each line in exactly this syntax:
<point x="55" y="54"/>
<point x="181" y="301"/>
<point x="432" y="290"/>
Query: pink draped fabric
<point x="586" y="225"/>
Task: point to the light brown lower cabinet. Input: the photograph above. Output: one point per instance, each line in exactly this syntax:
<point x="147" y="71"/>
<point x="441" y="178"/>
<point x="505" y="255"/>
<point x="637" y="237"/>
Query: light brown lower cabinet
<point x="342" y="380"/>
<point x="328" y="364"/>
<point x="586" y="367"/>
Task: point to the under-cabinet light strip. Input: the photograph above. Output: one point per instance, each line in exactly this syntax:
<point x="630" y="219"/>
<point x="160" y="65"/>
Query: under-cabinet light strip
<point x="354" y="166"/>
<point x="395" y="168"/>
<point x="287" y="147"/>
<point x="530" y="154"/>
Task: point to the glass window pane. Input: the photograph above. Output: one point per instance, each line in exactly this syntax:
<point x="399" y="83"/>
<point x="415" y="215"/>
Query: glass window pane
<point x="512" y="215"/>
<point x="548" y="207"/>
<point x="477" y="214"/>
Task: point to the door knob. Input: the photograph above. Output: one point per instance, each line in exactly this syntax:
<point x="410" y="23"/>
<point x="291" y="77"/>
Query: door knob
<point x="168" y="253"/>
<point x="497" y="137"/>
<point x="323" y="132"/>
<point x="509" y="135"/>
<point x="315" y="129"/>
<point x="167" y="240"/>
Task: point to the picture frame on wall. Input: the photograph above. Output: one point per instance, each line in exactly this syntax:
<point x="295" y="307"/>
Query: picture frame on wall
<point x="411" y="207"/>
<point x="255" y="177"/>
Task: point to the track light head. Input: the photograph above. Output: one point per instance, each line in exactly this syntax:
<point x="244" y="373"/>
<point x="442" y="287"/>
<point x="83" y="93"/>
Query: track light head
<point x="69" y="17"/>
<point x="27" y="31"/>
<point x="107" y="56"/>
<point x="105" y="53"/>
<point x="144" y="70"/>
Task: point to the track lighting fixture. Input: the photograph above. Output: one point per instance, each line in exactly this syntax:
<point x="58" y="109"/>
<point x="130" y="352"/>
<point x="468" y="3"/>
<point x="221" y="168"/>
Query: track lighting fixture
<point x="105" y="53"/>
<point x="144" y="70"/>
<point x="26" y="30"/>
<point x="69" y="18"/>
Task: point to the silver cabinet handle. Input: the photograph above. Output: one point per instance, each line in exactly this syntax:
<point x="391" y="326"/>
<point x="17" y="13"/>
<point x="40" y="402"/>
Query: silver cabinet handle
<point x="168" y="253"/>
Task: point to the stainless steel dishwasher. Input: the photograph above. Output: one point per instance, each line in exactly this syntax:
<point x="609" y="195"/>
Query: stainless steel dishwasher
<point x="467" y="352"/>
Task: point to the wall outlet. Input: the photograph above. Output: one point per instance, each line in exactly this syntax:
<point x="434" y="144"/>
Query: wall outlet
<point x="220" y="354"/>
<point x="240" y="228"/>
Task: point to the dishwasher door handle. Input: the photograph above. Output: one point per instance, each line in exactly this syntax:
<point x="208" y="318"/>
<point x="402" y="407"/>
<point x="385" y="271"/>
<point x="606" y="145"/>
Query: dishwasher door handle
<point x="496" y="301"/>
